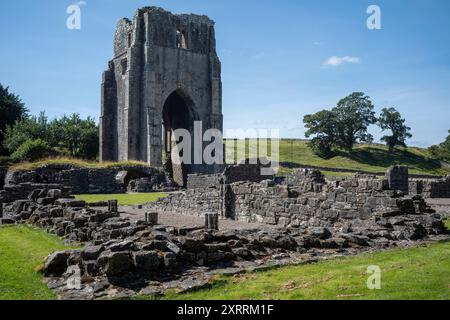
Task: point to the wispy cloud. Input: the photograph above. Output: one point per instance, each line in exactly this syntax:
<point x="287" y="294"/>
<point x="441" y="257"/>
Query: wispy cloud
<point x="336" y="61"/>
<point x="259" y="55"/>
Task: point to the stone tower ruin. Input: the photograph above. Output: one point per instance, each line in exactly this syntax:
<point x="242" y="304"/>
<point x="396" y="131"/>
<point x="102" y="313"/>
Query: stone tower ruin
<point x="165" y="75"/>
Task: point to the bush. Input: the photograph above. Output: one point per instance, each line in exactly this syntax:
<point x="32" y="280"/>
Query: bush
<point x="321" y="147"/>
<point x="31" y="150"/>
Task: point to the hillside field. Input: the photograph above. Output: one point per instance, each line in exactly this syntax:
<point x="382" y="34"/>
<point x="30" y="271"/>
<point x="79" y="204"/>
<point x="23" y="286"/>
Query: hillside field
<point x="372" y="158"/>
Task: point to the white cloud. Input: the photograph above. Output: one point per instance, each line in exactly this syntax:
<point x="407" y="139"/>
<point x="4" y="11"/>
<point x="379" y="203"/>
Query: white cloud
<point x="335" y="61"/>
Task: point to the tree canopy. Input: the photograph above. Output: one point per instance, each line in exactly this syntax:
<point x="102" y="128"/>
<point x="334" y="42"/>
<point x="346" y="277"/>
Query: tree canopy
<point x="354" y="115"/>
<point x="442" y="151"/>
<point x="347" y="124"/>
<point x="11" y="109"/>
<point x="342" y="126"/>
<point x="68" y="135"/>
<point x="390" y="119"/>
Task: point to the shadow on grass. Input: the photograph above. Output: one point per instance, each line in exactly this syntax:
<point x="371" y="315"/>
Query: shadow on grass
<point x="383" y="158"/>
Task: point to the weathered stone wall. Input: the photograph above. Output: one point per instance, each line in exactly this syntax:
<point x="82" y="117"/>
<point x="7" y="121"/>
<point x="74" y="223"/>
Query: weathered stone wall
<point x="312" y="203"/>
<point x="305" y="199"/>
<point x="439" y="188"/>
<point x="84" y="180"/>
<point x="398" y="177"/>
<point x="193" y="202"/>
<point x="197" y="181"/>
<point x="244" y="172"/>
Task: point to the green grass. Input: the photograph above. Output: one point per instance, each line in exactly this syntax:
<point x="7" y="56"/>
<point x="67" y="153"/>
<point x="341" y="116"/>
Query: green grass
<point x="417" y="273"/>
<point x="124" y="199"/>
<point x="372" y="158"/>
<point x="22" y="250"/>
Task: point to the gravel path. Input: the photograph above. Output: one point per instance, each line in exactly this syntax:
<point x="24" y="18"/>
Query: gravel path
<point x="177" y="220"/>
<point x="440" y="205"/>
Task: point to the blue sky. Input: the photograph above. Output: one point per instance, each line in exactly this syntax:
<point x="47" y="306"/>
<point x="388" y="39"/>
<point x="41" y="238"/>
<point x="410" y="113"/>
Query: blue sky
<point x="273" y="54"/>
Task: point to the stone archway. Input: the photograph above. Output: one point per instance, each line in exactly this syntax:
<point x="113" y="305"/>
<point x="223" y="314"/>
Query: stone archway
<point x="178" y="113"/>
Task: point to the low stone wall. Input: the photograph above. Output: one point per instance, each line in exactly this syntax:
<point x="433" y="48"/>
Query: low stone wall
<point x="439" y="188"/>
<point x="21" y="191"/>
<point x="197" y="181"/>
<point x="89" y="180"/>
<point x="305" y="200"/>
<point x="244" y="172"/>
<point x="194" y="202"/>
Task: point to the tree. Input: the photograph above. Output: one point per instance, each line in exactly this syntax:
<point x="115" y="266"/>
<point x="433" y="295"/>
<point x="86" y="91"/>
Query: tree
<point x="442" y="151"/>
<point x="68" y="136"/>
<point x="33" y="128"/>
<point x="390" y="119"/>
<point x="342" y="127"/>
<point x="323" y="126"/>
<point x="354" y="114"/>
<point x="12" y="109"/>
<point x="75" y="136"/>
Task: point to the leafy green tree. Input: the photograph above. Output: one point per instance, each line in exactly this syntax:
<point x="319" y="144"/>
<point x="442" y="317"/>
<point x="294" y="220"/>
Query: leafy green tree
<point x="75" y="136"/>
<point x="442" y="151"/>
<point x="354" y="115"/>
<point x="390" y="119"/>
<point x="69" y="135"/>
<point x="323" y="126"/>
<point x="12" y="109"/>
<point x="33" y="128"/>
<point x="342" y="127"/>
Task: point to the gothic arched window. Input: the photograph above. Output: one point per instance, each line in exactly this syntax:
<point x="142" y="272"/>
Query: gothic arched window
<point x="181" y="40"/>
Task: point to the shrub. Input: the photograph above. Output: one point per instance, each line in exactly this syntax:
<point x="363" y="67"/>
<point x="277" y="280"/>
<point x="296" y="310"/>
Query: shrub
<point x="321" y="147"/>
<point x="31" y="150"/>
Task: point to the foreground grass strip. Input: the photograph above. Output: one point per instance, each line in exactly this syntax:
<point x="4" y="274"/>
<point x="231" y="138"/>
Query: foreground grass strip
<point x="124" y="199"/>
<point x="22" y="250"/>
<point x="417" y="273"/>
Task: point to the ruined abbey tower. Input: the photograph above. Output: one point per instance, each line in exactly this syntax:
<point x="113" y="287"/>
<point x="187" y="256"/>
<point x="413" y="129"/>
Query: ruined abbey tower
<point x="165" y="75"/>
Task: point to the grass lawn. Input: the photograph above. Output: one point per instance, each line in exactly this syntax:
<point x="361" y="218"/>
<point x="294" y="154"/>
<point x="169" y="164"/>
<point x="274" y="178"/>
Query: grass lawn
<point x="22" y="250"/>
<point x="127" y="199"/>
<point x="370" y="158"/>
<point x="418" y="273"/>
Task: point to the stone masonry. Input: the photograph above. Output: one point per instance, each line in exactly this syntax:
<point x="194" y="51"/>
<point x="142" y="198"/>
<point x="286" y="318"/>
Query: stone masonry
<point x="165" y="74"/>
<point x="306" y="199"/>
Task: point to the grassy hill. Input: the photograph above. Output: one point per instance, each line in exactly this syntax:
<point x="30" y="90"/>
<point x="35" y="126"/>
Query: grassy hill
<point x="372" y="158"/>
